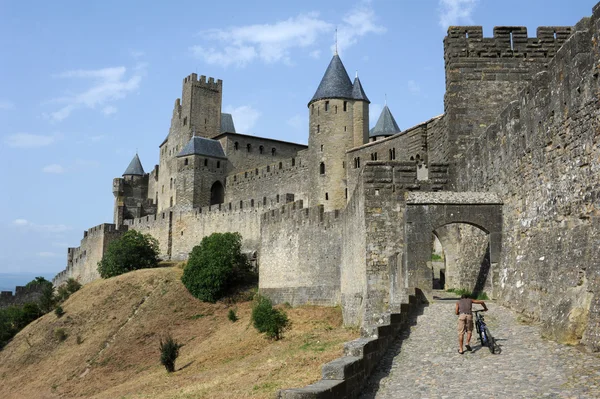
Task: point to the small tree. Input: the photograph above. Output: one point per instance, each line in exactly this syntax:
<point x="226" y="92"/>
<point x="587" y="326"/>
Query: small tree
<point x="65" y="290"/>
<point x="132" y="251"/>
<point x="232" y="316"/>
<point x="169" y="351"/>
<point x="216" y="266"/>
<point x="267" y="319"/>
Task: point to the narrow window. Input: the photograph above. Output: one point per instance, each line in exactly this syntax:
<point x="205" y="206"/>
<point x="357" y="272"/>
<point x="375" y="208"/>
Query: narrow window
<point x="346" y="193"/>
<point x="268" y="168"/>
<point x="185" y="162"/>
<point x="280" y="165"/>
<point x="322" y="168"/>
<point x="345" y="106"/>
<point x="318" y="128"/>
<point x="236" y="146"/>
<point x="293" y="161"/>
<point x="256" y="171"/>
<point x="511" y="41"/>
<point x="234" y="178"/>
<point x="358" y="162"/>
<point x="344" y="128"/>
<point x="264" y="201"/>
<point x="343" y="164"/>
<point x="326" y="196"/>
<point x="321" y="147"/>
<point x="218" y="164"/>
<point x="156" y="199"/>
<point x="261" y="149"/>
<point x="326" y="106"/>
<point x="312" y="109"/>
<point x="185" y="121"/>
<point x="171" y="184"/>
<point x="171" y="202"/>
<point x="277" y="198"/>
<point x="336" y="109"/>
<point x="162" y="189"/>
<point x="241" y="204"/>
<point x="206" y="162"/>
<point x="273" y="151"/>
<point x="252" y="203"/>
<point x="246" y="174"/>
<point x="248" y="147"/>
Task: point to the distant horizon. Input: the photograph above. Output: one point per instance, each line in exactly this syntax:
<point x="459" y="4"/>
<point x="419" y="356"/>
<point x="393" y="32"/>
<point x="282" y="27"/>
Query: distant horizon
<point x="8" y="281"/>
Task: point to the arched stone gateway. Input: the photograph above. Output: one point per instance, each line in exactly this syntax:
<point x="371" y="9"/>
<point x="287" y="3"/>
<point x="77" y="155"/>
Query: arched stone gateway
<point x="217" y="193"/>
<point x="427" y="213"/>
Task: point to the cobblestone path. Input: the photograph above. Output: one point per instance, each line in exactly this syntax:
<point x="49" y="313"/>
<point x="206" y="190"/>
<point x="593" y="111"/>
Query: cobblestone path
<point x="426" y="362"/>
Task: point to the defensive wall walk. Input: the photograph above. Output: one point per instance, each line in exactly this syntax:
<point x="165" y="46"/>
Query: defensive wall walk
<point x="424" y="362"/>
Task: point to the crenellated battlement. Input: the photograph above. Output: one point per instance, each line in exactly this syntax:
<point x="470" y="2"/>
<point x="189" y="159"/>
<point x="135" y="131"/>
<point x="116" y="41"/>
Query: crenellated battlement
<point x="21" y="296"/>
<point x="507" y="42"/>
<point x="99" y="230"/>
<point x="203" y="82"/>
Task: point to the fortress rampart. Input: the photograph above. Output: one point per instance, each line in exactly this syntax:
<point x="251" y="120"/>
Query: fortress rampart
<point x="548" y="135"/>
<point x="21" y="296"/>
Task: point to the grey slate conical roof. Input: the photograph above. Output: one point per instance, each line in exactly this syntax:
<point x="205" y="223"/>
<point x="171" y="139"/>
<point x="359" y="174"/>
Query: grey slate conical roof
<point x="227" y="125"/>
<point x="357" y="91"/>
<point x="202" y="146"/>
<point x="335" y="82"/>
<point x="386" y="124"/>
<point x="135" y="167"/>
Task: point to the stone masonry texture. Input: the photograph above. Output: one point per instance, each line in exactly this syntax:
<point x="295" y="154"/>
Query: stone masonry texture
<point x="507" y="180"/>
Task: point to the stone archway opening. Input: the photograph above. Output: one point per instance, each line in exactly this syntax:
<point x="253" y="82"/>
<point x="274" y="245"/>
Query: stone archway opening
<point x="463" y="261"/>
<point x="217" y="193"/>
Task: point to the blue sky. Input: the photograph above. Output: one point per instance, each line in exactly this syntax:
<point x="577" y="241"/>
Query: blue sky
<point x="83" y="85"/>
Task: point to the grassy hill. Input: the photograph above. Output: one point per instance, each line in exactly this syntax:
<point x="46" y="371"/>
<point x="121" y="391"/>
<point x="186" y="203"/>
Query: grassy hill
<point x="112" y="330"/>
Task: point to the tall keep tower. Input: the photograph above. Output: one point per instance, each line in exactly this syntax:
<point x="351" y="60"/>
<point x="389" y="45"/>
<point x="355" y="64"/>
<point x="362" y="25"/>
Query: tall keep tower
<point x="338" y="121"/>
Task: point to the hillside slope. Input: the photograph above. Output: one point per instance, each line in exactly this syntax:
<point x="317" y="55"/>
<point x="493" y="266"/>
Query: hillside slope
<point x="112" y="336"/>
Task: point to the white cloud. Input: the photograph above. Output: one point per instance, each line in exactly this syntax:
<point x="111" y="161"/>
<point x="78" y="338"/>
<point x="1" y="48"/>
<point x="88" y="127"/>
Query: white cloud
<point x="40" y="228"/>
<point x="244" y="117"/>
<point x="54" y="168"/>
<point x="456" y="12"/>
<point x="414" y="87"/>
<point x="6" y="105"/>
<point x="107" y="85"/>
<point x="277" y="41"/>
<point x="48" y="255"/>
<point x="26" y="140"/>
<point x="358" y="22"/>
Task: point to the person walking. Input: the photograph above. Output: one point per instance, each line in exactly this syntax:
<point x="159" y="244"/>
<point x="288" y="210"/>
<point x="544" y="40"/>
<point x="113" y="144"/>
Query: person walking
<point x="464" y="311"/>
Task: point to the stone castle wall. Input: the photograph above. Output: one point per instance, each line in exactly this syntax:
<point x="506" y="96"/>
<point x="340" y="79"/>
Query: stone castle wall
<point x="548" y="135"/>
<point x="82" y="261"/>
<point x="21" y="296"/>
<point x="302" y="250"/>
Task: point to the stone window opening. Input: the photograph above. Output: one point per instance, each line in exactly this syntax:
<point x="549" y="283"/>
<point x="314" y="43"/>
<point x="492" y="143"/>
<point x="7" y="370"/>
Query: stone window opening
<point x="241" y="204"/>
<point x="345" y="106"/>
<point x="335" y="109"/>
<point x="268" y="168"/>
<point x="218" y="164"/>
<point x="171" y="202"/>
<point x="206" y="162"/>
<point x="234" y="177"/>
<point x="257" y="171"/>
<point x="245" y="174"/>
<point x="252" y="203"/>
<point x="261" y="149"/>
<point x="321" y="147"/>
<point x="264" y="201"/>
<point x="346" y="193"/>
<point x="277" y="198"/>
<point x="181" y="232"/>
<point x="185" y="121"/>
<point x="343" y="164"/>
<point x="273" y="151"/>
<point x="163" y="189"/>
<point x="318" y="128"/>
<point x="248" y="147"/>
<point x="326" y="196"/>
<point x="293" y="161"/>
<point x="171" y="184"/>
<point x="280" y="165"/>
<point x="312" y="109"/>
<point x="374" y="156"/>
<point x="344" y="128"/>
<point x="185" y="162"/>
<point x="326" y="106"/>
<point x="322" y="168"/>
<point x="236" y="146"/>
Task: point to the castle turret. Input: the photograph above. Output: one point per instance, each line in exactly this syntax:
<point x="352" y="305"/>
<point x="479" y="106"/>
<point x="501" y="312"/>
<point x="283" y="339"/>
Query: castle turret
<point x="386" y="125"/>
<point x="338" y="121"/>
<point x="131" y="193"/>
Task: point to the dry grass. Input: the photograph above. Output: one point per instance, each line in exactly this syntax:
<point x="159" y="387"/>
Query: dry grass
<point x="111" y="350"/>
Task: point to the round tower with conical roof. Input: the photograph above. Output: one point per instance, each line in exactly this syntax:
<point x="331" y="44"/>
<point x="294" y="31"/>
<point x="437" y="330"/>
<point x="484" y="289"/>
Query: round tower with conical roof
<point x="338" y="121"/>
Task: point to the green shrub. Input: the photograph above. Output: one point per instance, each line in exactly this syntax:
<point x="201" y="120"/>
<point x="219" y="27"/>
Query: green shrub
<point x="65" y="290"/>
<point x="216" y="267"/>
<point x="436" y="257"/>
<point x="232" y="316"/>
<point x="267" y="319"/>
<point x="14" y="318"/>
<point x="59" y="311"/>
<point x="60" y="334"/>
<point x="169" y="351"/>
<point x="132" y="251"/>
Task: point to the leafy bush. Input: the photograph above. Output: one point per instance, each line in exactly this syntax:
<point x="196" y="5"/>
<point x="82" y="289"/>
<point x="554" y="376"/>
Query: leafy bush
<point x="462" y="291"/>
<point x="65" y="290"/>
<point x="267" y="319"/>
<point x="60" y="334"/>
<point x="59" y="311"/>
<point x="169" y="351"/>
<point x="232" y="316"/>
<point x="132" y="251"/>
<point x="216" y="266"/>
